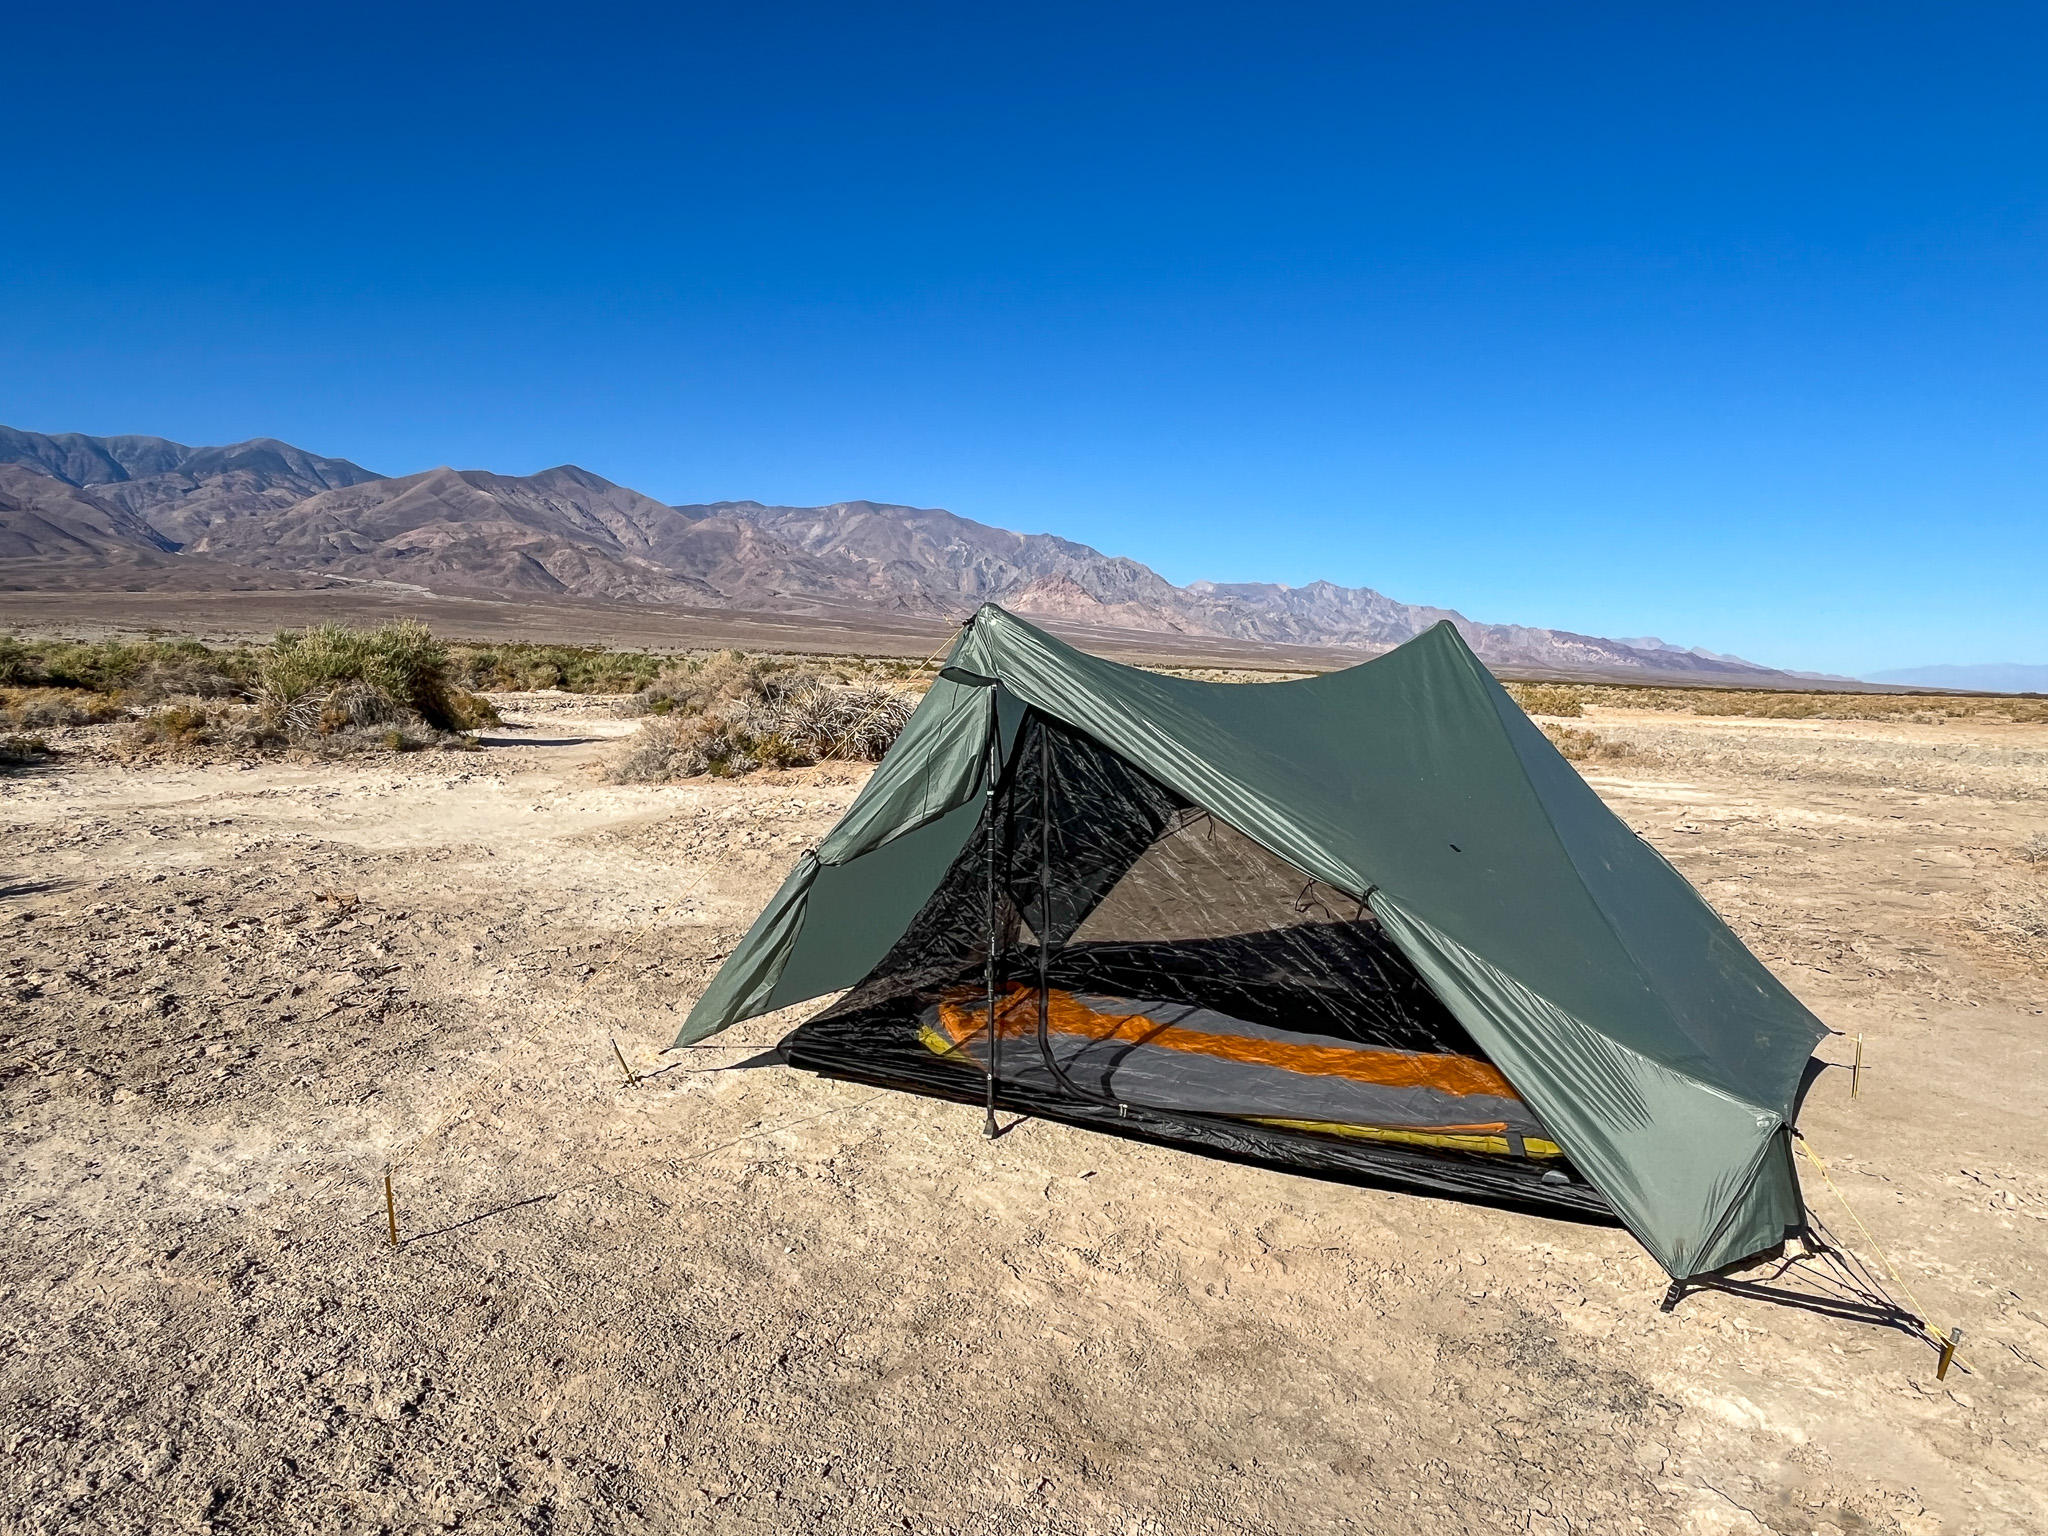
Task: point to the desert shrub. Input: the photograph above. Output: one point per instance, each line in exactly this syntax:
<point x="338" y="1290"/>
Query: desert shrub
<point x="731" y="713"/>
<point x="401" y="663"/>
<point x="332" y="678"/>
<point x="187" y="669"/>
<point x="329" y="689"/>
<point x="2032" y="849"/>
<point x="573" y="669"/>
<point x="205" y="728"/>
<point x="692" y="684"/>
<point x="849" y="723"/>
<point x="1548" y="699"/>
<point x="138" y="670"/>
<point x="691" y="745"/>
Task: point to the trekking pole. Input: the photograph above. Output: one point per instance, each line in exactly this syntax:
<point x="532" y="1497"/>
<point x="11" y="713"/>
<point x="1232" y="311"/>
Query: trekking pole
<point x="995" y="1034"/>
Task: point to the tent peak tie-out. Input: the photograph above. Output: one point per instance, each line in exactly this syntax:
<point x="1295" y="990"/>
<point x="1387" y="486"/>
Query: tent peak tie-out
<point x="1367" y="924"/>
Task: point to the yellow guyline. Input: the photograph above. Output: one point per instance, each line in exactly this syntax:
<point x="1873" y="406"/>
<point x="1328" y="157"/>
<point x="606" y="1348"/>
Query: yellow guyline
<point x="1946" y="1342"/>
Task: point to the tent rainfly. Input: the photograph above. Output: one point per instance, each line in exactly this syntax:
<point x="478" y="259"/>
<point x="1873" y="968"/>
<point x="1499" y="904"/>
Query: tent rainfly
<point x="1368" y="924"/>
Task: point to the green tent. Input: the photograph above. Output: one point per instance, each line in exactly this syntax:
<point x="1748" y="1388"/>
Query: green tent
<point x="1368" y="924"/>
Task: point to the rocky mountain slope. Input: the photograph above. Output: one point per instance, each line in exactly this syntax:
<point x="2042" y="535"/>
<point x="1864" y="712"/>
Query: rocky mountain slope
<point x="181" y="492"/>
<point x="906" y="550"/>
<point x="44" y="520"/>
<point x="71" y="503"/>
<point x="563" y="531"/>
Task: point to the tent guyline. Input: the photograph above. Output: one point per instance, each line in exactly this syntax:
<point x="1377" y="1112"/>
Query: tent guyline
<point x="1367" y="925"/>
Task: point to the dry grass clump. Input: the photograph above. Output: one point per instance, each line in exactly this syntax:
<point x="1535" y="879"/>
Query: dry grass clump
<point x="1553" y="699"/>
<point x="195" y="727"/>
<point x="1583" y="746"/>
<point x="2012" y="915"/>
<point x="687" y="747"/>
<point x="730" y="713"/>
<point x="29" y="708"/>
<point x="2032" y="849"/>
<point x="23" y="751"/>
<point x="693" y="685"/>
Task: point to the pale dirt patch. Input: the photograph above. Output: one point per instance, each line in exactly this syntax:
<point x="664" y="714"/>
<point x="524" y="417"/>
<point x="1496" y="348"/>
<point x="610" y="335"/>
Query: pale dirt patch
<point x="760" y="1302"/>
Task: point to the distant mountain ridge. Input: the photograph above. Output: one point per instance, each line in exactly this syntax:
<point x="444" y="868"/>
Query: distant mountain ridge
<point x="70" y="501"/>
<point x="906" y="550"/>
<point x="1985" y="677"/>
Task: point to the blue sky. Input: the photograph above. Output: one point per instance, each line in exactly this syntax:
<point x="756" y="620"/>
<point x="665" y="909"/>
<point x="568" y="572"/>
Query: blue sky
<point x="1724" y="324"/>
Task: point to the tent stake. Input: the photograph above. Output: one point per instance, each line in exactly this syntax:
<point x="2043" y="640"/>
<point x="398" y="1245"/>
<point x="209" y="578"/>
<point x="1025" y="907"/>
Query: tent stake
<point x="390" y="1206"/>
<point x="632" y="1077"/>
<point x="1950" y="1343"/>
<point x="1856" y="1072"/>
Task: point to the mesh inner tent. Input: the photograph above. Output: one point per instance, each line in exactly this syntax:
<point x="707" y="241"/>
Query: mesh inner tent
<point x="1158" y="974"/>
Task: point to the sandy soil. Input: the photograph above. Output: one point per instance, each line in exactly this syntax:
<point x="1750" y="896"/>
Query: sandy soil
<point x="753" y="1301"/>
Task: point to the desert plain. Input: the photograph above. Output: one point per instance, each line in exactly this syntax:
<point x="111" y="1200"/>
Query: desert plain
<point x="736" y="1298"/>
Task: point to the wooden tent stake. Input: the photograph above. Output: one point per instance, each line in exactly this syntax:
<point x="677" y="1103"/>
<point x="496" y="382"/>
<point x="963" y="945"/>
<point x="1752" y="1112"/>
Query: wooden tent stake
<point x="632" y="1077"/>
<point x="1856" y="1072"/>
<point x="390" y="1208"/>
<point x="1950" y="1343"/>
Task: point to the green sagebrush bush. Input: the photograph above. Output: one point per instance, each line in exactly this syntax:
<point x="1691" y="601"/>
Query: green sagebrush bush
<point x="330" y="689"/>
<point x="332" y="676"/>
<point x="128" y="671"/>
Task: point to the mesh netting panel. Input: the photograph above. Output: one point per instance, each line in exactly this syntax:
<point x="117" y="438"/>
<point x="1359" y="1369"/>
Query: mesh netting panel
<point x="1160" y="974"/>
<point x="1207" y="916"/>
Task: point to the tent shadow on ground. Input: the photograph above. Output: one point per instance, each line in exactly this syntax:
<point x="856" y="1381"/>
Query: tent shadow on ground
<point x="1842" y="1287"/>
<point x="32" y="888"/>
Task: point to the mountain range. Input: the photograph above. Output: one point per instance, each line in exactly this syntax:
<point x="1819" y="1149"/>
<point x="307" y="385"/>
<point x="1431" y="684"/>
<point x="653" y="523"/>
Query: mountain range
<point x="74" y="506"/>
<point x="1985" y="677"/>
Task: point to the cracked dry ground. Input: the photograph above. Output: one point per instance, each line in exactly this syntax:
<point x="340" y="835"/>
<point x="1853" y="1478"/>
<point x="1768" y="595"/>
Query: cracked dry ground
<point x="753" y="1301"/>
